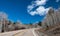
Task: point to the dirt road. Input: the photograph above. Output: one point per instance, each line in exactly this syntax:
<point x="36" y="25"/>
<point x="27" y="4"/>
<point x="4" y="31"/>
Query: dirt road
<point x="26" y="32"/>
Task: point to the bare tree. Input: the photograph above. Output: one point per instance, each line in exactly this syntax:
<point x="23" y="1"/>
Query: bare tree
<point x="51" y="13"/>
<point x="40" y="24"/>
<point x="3" y="16"/>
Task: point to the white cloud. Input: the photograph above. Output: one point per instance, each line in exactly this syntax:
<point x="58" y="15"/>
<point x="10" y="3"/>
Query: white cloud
<point x="33" y="13"/>
<point x="57" y="0"/>
<point x="30" y="7"/>
<point x="41" y="10"/>
<point x="40" y="2"/>
<point x="36" y="3"/>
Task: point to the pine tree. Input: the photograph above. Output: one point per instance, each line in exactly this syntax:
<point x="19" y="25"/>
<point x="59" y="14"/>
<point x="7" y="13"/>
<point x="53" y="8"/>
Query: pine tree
<point x="39" y="24"/>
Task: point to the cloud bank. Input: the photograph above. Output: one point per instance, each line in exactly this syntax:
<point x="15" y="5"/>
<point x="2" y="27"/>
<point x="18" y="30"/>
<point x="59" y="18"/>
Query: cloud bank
<point x="41" y="10"/>
<point x="57" y="0"/>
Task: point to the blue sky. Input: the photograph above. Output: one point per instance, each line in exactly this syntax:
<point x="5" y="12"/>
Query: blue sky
<point x="19" y="9"/>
